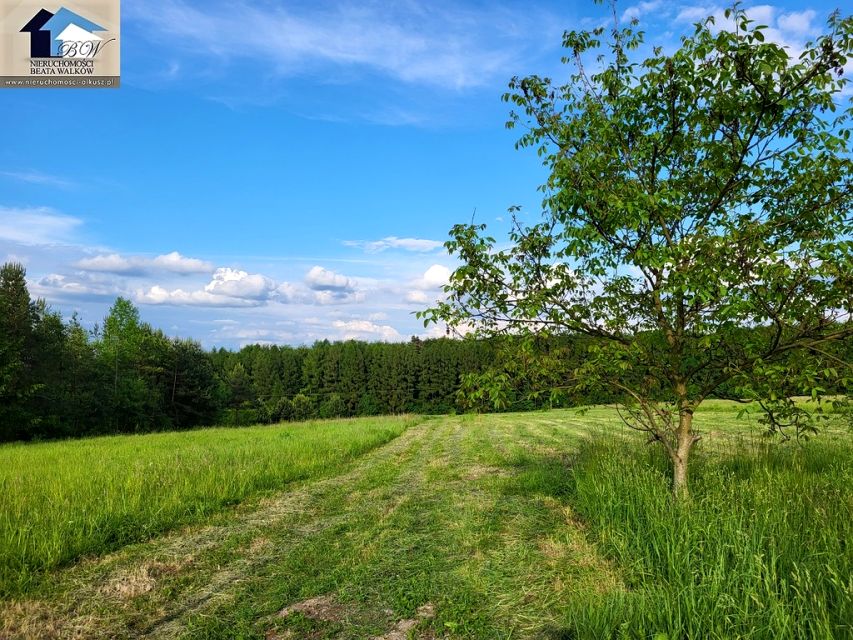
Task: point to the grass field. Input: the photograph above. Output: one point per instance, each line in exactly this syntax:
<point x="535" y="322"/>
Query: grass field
<point x="538" y="525"/>
<point x="62" y="500"/>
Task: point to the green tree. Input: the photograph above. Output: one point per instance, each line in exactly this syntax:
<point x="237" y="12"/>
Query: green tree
<point x="239" y="385"/>
<point x="353" y="376"/>
<point x="438" y="377"/>
<point x="332" y="407"/>
<point x="291" y="369"/>
<point x="17" y="320"/>
<point x="312" y="367"/>
<point x="120" y="349"/>
<point x="84" y="383"/>
<point x="302" y="407"/>
<point x="49" y="362"/>
<point x="192" y="391"/>
<point x="689" y="197"/>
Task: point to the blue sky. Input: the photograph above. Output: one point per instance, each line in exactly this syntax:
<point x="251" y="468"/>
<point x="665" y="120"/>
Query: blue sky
<point x="284" y="171"/>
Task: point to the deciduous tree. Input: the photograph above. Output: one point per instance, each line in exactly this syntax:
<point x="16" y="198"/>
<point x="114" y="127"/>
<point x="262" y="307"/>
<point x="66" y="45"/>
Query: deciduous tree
<point x="697" y="221"/>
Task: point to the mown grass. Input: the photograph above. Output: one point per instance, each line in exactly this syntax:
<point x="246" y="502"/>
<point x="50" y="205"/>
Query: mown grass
<point x="542" y="525"/>
<point x="62" y="500"/>
<point x="761" y="551"/>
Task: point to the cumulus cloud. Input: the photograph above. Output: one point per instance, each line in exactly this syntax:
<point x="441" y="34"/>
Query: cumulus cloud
<point x="366" y="330"/>
<point x="37" y="226"/>
<point x="76" y="286"/>
<point x="434" y="278"/>
<point x="789" y="30"/>
<point x="321" y="279"/>
<point x="799" y="22"/>
<point x="176" y="263"/>
<point x="426" y="289"/>
<point x="227" y="288"/>
<point x="236" y="288"/>
<point x="289" y="292"/>
<point x="179" y="297"/>
<point x="110" y="263"/>
<point x="329" y="296"/>
<point x="240" y="284"/>
<point x="172" y="262"/>
<point x="421" y="245"/>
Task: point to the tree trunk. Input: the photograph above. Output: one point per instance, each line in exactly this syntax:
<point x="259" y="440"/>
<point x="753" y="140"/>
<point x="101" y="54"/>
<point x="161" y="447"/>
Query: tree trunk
<point x="685" y="439"/>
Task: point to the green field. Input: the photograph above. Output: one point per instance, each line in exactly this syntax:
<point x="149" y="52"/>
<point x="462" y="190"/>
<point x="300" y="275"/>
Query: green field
<point x="537" y="525"/>
<point x="62" y="500"/>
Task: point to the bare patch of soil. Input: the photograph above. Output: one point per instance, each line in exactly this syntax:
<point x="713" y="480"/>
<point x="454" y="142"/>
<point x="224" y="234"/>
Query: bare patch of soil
<point x="403" y="627"/>
<point x="325" y="608"/>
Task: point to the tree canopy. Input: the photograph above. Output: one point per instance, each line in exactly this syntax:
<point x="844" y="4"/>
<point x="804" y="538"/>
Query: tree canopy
<point x="696" y="221"/>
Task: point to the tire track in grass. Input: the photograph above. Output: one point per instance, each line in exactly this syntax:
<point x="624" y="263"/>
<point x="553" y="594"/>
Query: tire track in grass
<point x="87" y="602"/>
<point x="484" y="557"/>
<point x="333" y="501"/>
<point x="448" y="515"/>
<point x="543" y="551"/>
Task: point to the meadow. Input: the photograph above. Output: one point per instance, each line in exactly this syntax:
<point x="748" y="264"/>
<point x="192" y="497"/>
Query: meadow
<point x="62" y="500"/>
<point x="535" y="525"/>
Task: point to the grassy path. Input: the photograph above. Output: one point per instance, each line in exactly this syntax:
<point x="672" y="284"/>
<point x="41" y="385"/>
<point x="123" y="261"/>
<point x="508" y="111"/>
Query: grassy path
<point x="499" y="526"/>
<point x="457" y="527"/>
<point x="60" y="501"/>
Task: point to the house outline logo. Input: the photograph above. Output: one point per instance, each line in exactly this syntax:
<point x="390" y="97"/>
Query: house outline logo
<point x="60" y="44"/>
<point x="64" y="34"/>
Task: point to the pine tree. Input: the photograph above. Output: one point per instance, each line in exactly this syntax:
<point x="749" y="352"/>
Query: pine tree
<point x="17" y="319"/>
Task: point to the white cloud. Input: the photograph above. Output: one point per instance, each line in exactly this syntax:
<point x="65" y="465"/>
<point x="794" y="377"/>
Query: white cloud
<point x="80" y="285"/>
<point x="37" y="226"/>
<point x="366" y="330"/>
<point x="37" y="177"/>
<point x="179" y="297"/>
<point x="109" y="263"/>
<point x="434" y="278"/>
<point x="236" y="288"/>
<point x="762" y="14"/>
<point x="694" y="14"/>
<point x="289" y="292"/>
<point x="788" y="30"/>
<point x="635" y="11"/>
<point x="438" y="44"/>
<point x="227" y="288"/>
<point x="392" y="242"/>
<point x="234" y="283"/>
<point x="427" y="288"/>
<point x="798" y="22"/>
<point x="417" y="297"/>
<point x="321" y="279"/>
<point x="172" y="262"/>
<point x="329" y="296"/>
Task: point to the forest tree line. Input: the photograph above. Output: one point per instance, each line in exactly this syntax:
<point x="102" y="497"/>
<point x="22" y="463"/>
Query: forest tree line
<point x="59" y="379"/>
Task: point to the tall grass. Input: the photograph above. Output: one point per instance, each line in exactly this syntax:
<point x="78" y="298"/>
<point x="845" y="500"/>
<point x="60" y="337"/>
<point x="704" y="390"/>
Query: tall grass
<point x="763" y="550"/>
<point x="63" y="500"/>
